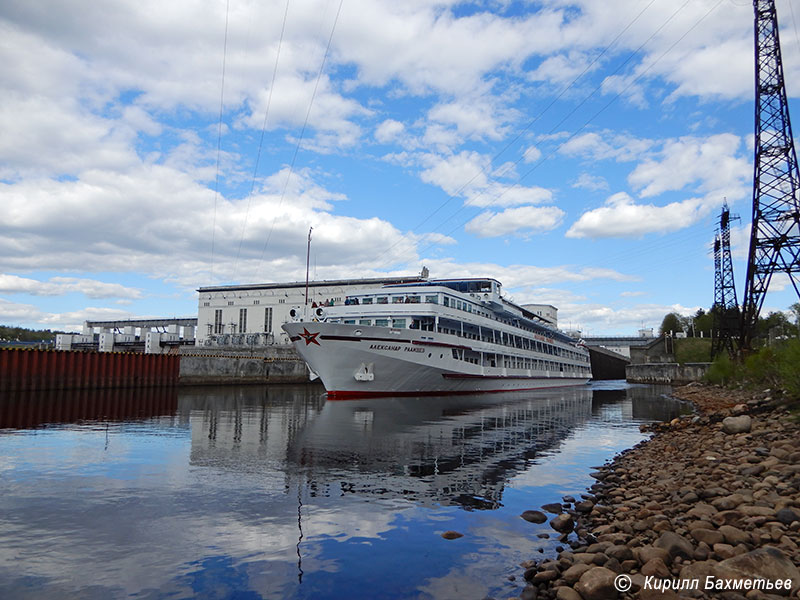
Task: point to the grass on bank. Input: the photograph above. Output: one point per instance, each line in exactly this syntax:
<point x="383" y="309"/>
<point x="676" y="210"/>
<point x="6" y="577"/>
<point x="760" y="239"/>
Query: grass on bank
<point x="692" y="350"/>
<point x="774" y="367"/>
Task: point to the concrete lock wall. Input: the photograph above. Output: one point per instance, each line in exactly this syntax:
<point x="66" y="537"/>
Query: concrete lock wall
<point x="280" y="365"/>
<point x="670" y="373"/>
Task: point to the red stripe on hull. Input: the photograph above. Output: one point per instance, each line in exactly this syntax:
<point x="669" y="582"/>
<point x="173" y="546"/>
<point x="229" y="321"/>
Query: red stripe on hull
<point x="354" y="394"/>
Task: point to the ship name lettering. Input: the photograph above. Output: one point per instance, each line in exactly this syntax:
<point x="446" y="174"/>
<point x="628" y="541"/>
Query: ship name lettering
<point x="384" y="347"/>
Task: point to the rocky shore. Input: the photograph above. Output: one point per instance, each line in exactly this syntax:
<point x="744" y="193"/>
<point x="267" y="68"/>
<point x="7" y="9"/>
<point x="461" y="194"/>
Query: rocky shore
<point x="709" y="507"/>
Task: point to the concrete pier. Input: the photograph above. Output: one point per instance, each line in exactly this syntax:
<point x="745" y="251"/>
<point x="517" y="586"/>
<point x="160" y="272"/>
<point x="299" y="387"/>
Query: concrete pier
<point x="269" y="364"/>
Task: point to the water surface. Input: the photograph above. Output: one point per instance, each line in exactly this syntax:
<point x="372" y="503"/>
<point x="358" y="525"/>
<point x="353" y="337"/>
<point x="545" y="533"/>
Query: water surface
<point x="274" y="492"/>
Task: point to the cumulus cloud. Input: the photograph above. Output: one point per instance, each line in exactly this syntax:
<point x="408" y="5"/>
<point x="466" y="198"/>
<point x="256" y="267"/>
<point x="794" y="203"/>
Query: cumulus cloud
<point x="388" y="131"/>
<point x="621" y="216"/>
<point x="590" y="182"/>
<point x="606" y="145"/>
<point x="519" y="220"/>
<point x="264" y="233"/>
<point x="712" y="163"/>
<point x="466" y="175"/>
<point x="58" y="286"/>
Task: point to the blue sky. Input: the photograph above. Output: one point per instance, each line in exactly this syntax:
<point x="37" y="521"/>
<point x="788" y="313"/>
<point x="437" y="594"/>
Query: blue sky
<point x="576" y="153"/>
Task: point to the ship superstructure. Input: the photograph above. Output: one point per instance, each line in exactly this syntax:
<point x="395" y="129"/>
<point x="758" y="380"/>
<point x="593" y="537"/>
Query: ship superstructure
<point x="434" y="337"/>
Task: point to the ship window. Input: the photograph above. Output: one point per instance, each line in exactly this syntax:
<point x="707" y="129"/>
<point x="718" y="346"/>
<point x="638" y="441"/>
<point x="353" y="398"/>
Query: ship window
<point x="349" y="321"/>
<point x="381" y="322"/>
<point x="446" y="301"/>
<point x="365" y="322"/>
<point x="413" y="299"/>
<point x="383" y="300"/>
<point x="397" y="299"/>
<point x="399" y="323"/>
<point x="366" y="301"/>
<point x="432" y="299"/>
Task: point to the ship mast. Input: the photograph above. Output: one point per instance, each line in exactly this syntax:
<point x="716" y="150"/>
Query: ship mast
<point x="308" y="262"/>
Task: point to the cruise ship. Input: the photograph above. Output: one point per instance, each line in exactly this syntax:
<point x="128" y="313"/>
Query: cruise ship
<point x="434" y="337"/>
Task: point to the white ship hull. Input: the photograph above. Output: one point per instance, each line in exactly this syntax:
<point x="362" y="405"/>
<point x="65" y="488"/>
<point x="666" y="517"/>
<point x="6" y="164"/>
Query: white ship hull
<point x="363" y="361"/>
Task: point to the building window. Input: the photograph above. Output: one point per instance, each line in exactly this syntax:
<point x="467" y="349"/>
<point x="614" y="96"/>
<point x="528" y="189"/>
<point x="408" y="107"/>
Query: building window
<point x="242" y="320"/>
<point x="256" y="301"/>
<point x="218" y="321"/>
<point x="205" y="304"/>
<point x="268" y="320"/>
<point x="230" y="302"/>
<point x="282" y="301"/>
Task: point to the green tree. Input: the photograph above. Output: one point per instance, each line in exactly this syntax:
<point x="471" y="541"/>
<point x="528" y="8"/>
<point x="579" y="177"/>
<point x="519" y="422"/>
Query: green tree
<point x="795" y="308"/>
<point x="703" y="323"/>
<point x="672" y="322"/>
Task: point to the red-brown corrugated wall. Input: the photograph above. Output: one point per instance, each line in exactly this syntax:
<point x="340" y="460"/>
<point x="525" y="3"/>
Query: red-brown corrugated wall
<point x="30" y="370"/>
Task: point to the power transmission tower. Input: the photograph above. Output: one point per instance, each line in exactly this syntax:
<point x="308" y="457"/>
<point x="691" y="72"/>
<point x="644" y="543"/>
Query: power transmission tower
<point x="726" y="309"/>
<point x="775" y="234"/>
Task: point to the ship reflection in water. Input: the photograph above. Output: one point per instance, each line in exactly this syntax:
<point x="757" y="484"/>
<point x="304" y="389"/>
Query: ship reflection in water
<point x="275" y="493"/>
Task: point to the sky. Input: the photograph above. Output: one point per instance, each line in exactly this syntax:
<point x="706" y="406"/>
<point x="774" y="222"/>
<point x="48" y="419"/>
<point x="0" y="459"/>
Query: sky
<point x="578" y="154"/>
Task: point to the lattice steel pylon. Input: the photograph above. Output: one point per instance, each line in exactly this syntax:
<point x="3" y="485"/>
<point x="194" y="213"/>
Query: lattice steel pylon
<point x="726" y="309"/>
<point x="775" y="234"/>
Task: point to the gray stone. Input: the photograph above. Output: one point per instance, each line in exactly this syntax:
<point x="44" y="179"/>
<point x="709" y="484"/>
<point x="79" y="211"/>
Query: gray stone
<point x="620" y="552"/>
<point x="567" y="593"/>
<point x="708" y="536"/>
<point x="765" y="563"/>
<point x="787" y="516"/>
<point x="563" y="523"/>
<point x="698" y="570"/>
<point x="675" y="545"/>
<point x="701" y="510"/>
<point x="655" y="567"/>
<point x="727" y="502"/>
<point x="648" y="553"/>
<point x="548" y="575"/>
<point x="573" y="574"/>
<point x="734" y="535"/>
<point x="534" y="516"/>
<point x="742" y="424"/>
<point x="597" y="584"/>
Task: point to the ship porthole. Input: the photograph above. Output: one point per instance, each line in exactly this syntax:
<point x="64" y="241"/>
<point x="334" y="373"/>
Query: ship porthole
<point x="429" y="354"/>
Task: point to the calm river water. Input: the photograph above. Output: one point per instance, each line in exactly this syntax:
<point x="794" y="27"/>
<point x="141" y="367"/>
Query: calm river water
<point x="273" y="492"/>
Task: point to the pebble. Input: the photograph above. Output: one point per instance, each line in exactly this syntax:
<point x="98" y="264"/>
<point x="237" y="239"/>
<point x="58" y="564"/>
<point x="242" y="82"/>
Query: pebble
<point x="717" y="492"/>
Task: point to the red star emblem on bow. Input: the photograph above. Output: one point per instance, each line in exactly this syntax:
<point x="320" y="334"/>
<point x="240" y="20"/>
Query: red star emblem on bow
<point x="310" y="338"/>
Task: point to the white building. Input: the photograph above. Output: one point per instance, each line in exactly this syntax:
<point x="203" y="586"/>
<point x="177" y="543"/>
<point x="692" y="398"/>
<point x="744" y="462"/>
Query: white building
<point x="252" y="314"/>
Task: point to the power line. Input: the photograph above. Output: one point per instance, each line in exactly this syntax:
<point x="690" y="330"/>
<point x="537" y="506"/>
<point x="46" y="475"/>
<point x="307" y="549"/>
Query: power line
<point x="261" y="141"/>
<point x="593" y="117"/>
<point x="302" y="131"/>
<point x="533" y="121"/>
<point x="539" y="116"/>
<point x="219" y="140"/>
